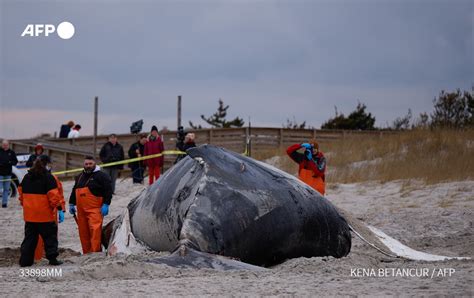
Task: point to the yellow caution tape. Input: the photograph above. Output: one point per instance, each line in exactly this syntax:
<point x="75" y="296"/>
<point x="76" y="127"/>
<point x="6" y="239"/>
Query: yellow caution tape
<point x="8" y="179"/>
<point x="115" y="163"/>
<point x="125" y="161"/>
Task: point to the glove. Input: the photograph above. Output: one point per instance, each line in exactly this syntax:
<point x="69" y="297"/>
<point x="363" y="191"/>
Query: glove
<point x="104" y="210"/>
<point x="72" y="209"/>
<point x="307" y="146"/>
<point x="308" y="154"/>
<point x="61" y="216"/>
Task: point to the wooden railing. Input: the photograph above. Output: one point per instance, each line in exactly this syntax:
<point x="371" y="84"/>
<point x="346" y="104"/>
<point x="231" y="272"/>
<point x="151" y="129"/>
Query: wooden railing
<point x="69" y="153"/>
<point x="63" y="157"/>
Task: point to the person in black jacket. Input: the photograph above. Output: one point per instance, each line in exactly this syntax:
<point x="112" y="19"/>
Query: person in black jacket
<point x="187" y="143"/>
<point x="92" y="194"/>
<point x="41" y="199"/>
<point x="136" y="150"/>
<point x="65" y="129"/>
<point x="39" y="149"/>
<point x="112" y="151"/>
<point x="7" y="161"/>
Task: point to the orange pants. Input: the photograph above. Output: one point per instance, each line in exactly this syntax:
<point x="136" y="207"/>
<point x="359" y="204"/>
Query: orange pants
<point x="319" y="185"/>
<point x="153" y="174"/>
<point x="89" y="220"/>
<point x="39" y="251"/>
<point x="316" y="183"/>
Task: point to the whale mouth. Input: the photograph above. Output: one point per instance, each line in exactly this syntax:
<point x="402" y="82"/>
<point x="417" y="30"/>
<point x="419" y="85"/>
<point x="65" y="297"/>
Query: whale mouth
<point x="186" y="257"/>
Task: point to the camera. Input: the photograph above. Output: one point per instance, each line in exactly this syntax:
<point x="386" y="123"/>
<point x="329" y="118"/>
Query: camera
<point x="180" y="134"/>
<point x="136" y="127"/>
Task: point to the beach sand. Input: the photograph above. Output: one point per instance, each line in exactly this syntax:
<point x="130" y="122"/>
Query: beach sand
<point x="436" y="219"/>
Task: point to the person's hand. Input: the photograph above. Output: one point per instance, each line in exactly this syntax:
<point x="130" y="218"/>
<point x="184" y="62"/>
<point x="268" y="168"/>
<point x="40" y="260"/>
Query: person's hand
<point x="72" y="209"/>
<point x="308" y="154"/>
<point x="104" y="210"/>
<point x="307" y="146"/>
<point x="60" y="216"/>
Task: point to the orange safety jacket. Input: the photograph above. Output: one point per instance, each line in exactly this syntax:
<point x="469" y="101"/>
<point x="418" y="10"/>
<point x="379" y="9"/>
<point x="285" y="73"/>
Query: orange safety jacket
<point x="311" y="172"/>
<point x="40" y="197"/>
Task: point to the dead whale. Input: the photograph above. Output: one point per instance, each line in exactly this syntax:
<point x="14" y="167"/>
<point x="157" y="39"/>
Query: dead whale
<point x="219" y="209"/>
<point x="219" y="202"/>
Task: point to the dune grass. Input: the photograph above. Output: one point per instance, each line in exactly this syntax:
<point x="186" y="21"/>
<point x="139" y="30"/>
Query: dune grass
<point x="430" y="155"/>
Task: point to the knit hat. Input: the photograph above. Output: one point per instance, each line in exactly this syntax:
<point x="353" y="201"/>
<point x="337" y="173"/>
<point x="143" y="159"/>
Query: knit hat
<point x="154" y="128"/>
<point x="39" y="147"/>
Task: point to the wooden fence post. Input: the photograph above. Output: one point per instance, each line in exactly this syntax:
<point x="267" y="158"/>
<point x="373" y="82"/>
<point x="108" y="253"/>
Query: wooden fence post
<point x="247" y="136"/>
<point x="179" y="111"/>
<point x="281" y="138"/>
<point x="94" y="138"/>
<point x="65" y="161"/>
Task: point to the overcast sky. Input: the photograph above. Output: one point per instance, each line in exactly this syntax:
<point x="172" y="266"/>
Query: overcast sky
<point x="269" y="60"/>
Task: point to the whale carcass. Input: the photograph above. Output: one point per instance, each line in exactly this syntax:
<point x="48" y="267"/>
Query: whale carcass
<point x="219" y="202"/>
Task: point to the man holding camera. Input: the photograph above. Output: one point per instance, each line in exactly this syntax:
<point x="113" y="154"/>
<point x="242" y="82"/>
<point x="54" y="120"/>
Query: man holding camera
<point x="312" y="164"/>
<point x="184" y="142"/>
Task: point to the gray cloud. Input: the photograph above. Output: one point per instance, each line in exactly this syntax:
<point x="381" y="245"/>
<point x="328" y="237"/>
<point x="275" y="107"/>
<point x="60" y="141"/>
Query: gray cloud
<point x="268" y="60"/>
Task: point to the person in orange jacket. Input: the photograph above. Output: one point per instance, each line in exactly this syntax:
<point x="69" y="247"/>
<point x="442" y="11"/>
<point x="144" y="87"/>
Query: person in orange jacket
<point x="40" y="198"/>
<point x="92" y="193"/>
<point x="39" y="252"/>
<point x="312" y="164"/>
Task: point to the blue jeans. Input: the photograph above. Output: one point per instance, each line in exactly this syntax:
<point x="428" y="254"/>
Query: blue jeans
<point x="5" y="186"/>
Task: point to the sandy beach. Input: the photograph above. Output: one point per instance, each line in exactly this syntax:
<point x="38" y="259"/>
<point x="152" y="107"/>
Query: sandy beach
<point x="368" y="102"/>
<point x="436" y="219"/>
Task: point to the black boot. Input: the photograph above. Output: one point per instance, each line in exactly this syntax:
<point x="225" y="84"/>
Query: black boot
<point x="25" y="265"/>
<point x="55" y="262"/>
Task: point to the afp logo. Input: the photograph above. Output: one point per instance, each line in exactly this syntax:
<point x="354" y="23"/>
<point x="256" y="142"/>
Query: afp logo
<point x="65" y="30"/>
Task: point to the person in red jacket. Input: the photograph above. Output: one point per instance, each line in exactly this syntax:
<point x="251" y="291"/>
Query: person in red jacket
<point x="312" y="164"/>
<point x="154" y="146"/>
